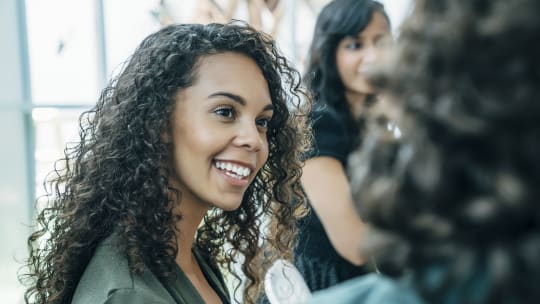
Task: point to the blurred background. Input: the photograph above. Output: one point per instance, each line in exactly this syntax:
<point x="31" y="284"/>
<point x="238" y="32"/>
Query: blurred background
<point x="56" y="55"/>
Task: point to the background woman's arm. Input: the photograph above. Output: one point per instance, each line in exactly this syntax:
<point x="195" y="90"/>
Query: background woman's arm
<point x="327" y="187"/>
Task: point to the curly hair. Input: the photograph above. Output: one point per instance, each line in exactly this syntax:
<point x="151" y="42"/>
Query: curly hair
<point x="454" y="200"/>
<point x="336" y="21"/>
<point x="116" y="179"/>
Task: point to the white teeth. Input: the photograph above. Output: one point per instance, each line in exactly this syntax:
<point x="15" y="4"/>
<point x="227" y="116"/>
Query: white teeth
<point x="233" y="170"/>
<point x="233" y="175"/>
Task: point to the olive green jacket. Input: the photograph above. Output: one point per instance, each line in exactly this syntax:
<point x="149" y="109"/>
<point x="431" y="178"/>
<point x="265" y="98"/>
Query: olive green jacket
<point x="107" y="279"/>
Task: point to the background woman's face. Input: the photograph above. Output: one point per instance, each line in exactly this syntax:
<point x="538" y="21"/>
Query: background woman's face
<point x="356" y="55"/>
<point x="219" y="131"/>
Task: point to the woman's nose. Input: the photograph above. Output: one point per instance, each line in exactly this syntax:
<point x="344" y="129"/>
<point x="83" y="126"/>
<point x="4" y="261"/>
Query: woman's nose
<point x="248" y="136"/>
<point x="370" y="54"/>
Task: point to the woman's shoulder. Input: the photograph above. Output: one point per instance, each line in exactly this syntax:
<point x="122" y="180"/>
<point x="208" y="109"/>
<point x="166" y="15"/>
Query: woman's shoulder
<point x="330" y="134"/>
<point x="108" y="279"/>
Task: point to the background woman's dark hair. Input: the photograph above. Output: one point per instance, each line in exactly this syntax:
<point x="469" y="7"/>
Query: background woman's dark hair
<point x="116" y="178"/>
<point x="455" y="200"/>
<point x="337" y="20"/>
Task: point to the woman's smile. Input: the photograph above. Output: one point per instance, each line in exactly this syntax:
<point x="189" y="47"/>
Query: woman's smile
<point x="236" y="174"/>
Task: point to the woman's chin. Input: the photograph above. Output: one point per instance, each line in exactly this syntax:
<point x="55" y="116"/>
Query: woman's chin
<point x="228" y="206"/>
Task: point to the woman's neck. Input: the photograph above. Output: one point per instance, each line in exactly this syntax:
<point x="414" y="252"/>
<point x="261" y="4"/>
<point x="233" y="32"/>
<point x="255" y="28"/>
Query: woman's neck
<point x="356" y="102"/>
<point x="192" y="213"/>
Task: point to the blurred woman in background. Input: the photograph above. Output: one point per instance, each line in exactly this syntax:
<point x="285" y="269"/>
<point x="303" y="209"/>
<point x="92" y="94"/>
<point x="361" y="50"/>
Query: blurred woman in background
<point x="348" y="37"/>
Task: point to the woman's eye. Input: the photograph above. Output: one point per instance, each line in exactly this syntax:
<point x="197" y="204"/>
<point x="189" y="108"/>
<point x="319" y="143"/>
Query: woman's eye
<point x="263" y="123"/>
<point x="353" y="45"/>
<point x="225" y="112"/>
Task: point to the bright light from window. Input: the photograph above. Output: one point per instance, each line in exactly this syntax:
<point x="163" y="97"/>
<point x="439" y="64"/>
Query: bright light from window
<point x="62" y="48"/>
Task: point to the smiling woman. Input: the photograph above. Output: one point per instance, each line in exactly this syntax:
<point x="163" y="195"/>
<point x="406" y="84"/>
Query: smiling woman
<point x="188" y="133"/>
<point x="219" y="130"/>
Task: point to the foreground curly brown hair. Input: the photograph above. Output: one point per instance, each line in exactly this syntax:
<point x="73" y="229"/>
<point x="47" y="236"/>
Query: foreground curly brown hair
<point x="455" y="200"/>
<point x="116" y="177"/>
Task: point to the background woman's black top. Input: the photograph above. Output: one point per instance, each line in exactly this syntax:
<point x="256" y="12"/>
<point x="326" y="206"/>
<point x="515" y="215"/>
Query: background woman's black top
<point x="315" y="256"/>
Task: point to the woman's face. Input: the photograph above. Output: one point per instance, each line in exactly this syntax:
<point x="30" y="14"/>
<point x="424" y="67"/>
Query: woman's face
<point x="356" y="55"/>
<point x="219" y="129"/>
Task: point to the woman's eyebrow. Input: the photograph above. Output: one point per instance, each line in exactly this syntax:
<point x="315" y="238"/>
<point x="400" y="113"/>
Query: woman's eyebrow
<point x="238" y="99"/>
<point x="231" y="96"/>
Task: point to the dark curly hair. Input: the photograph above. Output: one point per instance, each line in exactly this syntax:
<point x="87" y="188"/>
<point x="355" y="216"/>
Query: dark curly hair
<point x="454" y="200"/>
<point x="116" y="178"/>
<point x="337" y="20"/>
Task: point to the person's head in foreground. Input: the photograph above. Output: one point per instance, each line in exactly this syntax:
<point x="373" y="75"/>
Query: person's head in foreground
<point x="203" y="121"/>
<point x="454" y="201"/>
